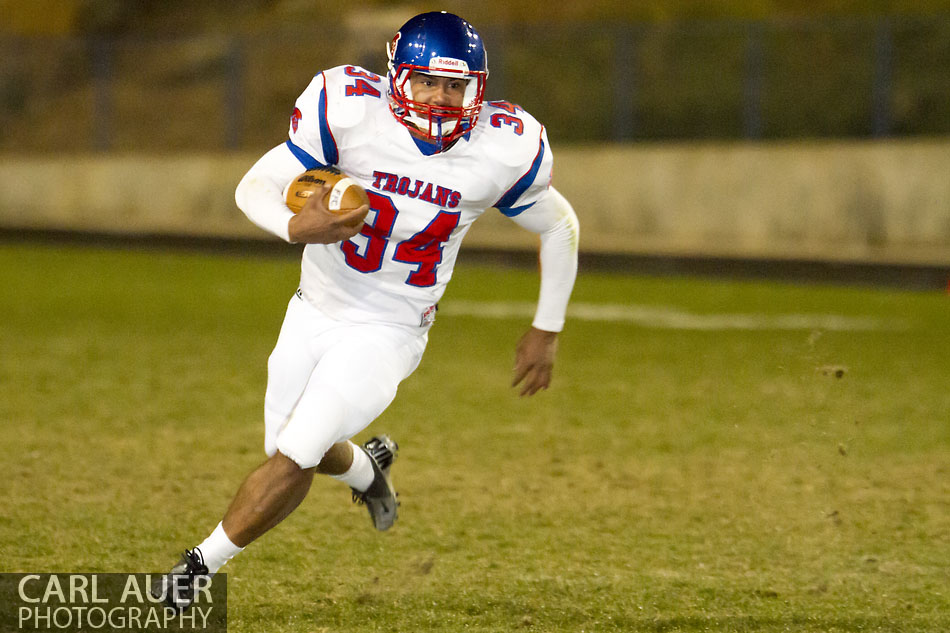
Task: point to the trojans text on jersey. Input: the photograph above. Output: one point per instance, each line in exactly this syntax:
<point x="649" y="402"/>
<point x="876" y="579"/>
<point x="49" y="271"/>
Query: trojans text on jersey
<point x="427" y="191"/>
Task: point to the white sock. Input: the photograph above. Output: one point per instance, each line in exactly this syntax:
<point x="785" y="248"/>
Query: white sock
<point x="218" y="549"/>
<point x="360" y="475"/>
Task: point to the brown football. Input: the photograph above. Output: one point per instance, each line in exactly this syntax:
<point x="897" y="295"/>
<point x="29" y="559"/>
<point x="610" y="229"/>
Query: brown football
<point x="345" y="194"/>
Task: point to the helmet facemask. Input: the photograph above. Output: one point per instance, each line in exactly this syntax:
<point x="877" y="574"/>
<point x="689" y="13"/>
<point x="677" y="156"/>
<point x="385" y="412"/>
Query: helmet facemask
<point x="436" y="123"/>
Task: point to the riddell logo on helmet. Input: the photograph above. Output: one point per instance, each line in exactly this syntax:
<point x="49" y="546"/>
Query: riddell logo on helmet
<point x="448" y="63"/>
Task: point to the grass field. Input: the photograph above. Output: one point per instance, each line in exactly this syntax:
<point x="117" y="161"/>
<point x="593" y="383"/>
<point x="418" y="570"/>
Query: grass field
<point x="713" y="455"/>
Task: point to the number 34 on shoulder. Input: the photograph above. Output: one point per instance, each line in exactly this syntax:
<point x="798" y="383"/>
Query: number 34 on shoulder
<point x="343" y="196"/>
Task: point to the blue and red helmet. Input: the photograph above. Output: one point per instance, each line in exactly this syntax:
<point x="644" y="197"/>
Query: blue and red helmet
<point x="444" y="45"/>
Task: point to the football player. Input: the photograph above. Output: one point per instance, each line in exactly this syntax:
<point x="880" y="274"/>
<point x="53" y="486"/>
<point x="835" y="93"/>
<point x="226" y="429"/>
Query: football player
<point x="432" y="156"/>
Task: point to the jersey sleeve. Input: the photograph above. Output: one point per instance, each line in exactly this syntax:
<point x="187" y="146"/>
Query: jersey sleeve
<point x="332" y="105"/>
<point x="534" y="179"/>
<point x="552" y="217"/>
<point x="311" y="139"/>
<point x="260" y="194"/>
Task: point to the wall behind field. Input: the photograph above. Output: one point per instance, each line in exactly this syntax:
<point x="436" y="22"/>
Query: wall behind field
<point x="856" y="201"/>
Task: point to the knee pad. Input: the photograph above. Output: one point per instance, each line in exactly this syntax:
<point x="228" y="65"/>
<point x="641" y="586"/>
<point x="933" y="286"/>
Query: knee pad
<point x="273" y="423"/>
<point x="316" y="424"/>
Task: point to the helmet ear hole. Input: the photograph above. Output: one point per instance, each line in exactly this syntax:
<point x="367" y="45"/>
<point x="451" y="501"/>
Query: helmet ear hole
<point x="472" y="93"/>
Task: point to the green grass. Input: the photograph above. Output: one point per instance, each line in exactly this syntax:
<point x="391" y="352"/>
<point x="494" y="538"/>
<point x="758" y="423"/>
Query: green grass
<point x="671" y="480"/>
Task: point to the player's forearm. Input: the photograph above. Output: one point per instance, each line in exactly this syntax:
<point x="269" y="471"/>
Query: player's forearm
<point x="260" y="193"/>
<point x="555" y="221"/>
<point x="558" y="272"/>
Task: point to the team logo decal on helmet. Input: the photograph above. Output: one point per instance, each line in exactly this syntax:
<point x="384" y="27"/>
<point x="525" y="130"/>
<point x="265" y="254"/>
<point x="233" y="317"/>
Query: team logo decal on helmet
<point x="392" y="45"/>
<point x="443" y="45"/>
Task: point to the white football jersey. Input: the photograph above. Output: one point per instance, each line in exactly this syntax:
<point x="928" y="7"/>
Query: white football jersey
<point x="422" y="203"/>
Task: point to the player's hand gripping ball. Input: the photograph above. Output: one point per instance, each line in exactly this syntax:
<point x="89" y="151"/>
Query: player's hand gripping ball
<point x="344" y="194"/>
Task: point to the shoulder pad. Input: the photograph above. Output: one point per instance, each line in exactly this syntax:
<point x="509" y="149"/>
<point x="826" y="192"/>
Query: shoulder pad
<point x="352" y="92"/>
<point x="509" y="126"/>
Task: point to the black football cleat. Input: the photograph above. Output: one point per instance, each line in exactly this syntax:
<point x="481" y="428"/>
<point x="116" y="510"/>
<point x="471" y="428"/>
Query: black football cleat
<point x="380" y="497"/>
<point x="176" y="589"/>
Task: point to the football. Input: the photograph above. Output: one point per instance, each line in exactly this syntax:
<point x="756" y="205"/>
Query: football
<point x="345" y="194"/>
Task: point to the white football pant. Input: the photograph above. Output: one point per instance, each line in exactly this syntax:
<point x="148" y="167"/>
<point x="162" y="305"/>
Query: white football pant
<point x="328" y="380"/>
